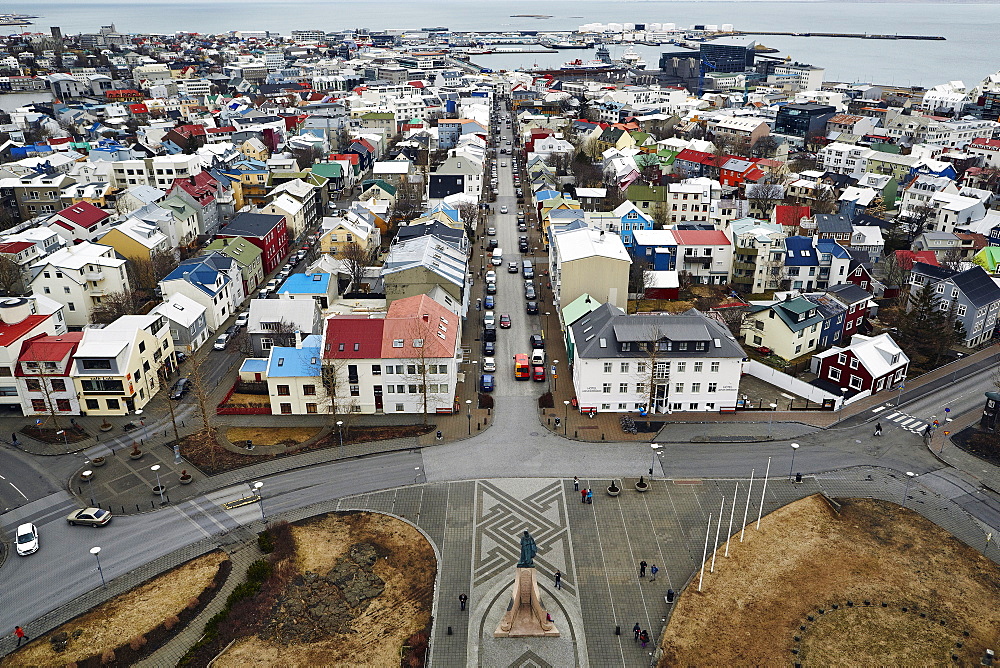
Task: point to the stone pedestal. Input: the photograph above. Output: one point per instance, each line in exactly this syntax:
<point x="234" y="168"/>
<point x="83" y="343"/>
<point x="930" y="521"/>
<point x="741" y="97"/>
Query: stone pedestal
<point x="525" y="616"/>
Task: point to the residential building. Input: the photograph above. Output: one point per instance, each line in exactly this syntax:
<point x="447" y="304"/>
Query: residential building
<point x="869" y="364"/>
<point x="247" y="256"/>
<point x="43" y="375"/>
<point x="975" y="295"/>
<point x="80" y="222"/>
<point x="758" y="255"/>
<point x="80" y="277"/>
<point x="22" y="319"/>
<point x="116" y="368"/>
<point x="415" y="266"/>
<point x="186" y="319"/>
<point x="588" y="261"/>
<point x="337" y="232"/>
<point x="660" y="362"/>
<point x="295" y="384"/>
<point x="267" y="232"/>
<point x="706" y="255"/>
<point x="320" y="287"/>
<point x="212" y="280"/>
<point x="790" y="328"/>
<point x="137" y="240"/>
<point x="276" y="322"/>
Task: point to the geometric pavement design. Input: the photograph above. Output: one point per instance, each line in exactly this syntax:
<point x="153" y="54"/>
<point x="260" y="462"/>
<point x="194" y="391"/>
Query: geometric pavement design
<point x="530" y="660"/>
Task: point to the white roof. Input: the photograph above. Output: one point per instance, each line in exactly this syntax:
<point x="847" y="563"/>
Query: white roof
<point x="661" y="279"/>
<point x="147" y="234"/>
<point x="392" y="167"/>
<point x="76" y="257"/>
<point x="870" y="235"/>
<point x="591" y="192"/>
<point x="587" y="242"/>
<point x="874" y="352"/>
<point x="180" y="309"/>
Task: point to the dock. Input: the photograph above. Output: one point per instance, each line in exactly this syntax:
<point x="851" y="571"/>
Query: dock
<point x="849" y="35"/>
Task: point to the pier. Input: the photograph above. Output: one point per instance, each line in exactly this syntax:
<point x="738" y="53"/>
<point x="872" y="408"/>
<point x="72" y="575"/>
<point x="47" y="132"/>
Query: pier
<point x="851" y="35"/>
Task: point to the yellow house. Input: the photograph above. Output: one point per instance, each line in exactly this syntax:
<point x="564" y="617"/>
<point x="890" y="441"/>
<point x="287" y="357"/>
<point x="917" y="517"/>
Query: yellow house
<point x="339" y="232"/>
<point x="254" y="149"/>
<point x="134" y="239"/>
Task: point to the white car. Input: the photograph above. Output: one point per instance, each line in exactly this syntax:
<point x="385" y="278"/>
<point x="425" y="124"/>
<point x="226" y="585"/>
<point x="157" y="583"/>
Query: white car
<point x="503" y="164"/>
<point x="242" y="318"/>
<point x="503" y="209"/>
<point x="489" y="364"/>
<point x="489" y="319"/>
<point x="221" y="342"/>
<point x="26" y="539"/>
<point x="491" y="276"/>
<point x="272" y="284"/>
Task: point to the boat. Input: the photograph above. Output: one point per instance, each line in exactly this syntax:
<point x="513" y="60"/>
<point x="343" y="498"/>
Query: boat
<point x="588" y="66"/>
<point x="569" y="44"/>
<point x="633" y="60"/>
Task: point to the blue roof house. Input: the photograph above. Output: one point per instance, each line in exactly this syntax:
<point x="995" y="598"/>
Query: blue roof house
<point x="293" y="378"/>
<point x="309" y="286"/>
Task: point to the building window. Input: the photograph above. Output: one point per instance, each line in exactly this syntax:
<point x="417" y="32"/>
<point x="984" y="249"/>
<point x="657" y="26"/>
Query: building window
<point x="283" y="391"/>
<point x="113" y="405"/>
<point x="854" y="362"/>
<point x="640" y="388"/>
<point x="63" y="405"/>
<point x="34" y="385"/>
<point x="693" y="407"/>
<point x="712" y="387"/>
<point x="355" y="390"/>
<point x="309" y="390"/>
<point x="715" y="367"/>
<point x="855" y="382"/>
<point x="623" y="387"/>
<point x="698" y="367"/>
<point x="695" y="388"/>
<point x="266" y="344"/>
<point x="93" y="404"/>
<point x="678" y="387"/>
<point x="681" y="367"/>
<point x="311" y="408"/>
<point x="606" y="388"/>
<point x="624" y="367"/>
<point x="607" y="367"/>
<point x="286" y="409"/>
<point x="38" y="405"/>
<point x="834" y="373"/>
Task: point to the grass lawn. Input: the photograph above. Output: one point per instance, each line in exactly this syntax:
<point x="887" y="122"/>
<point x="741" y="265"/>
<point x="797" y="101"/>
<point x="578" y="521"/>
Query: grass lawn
<point x="938" y="592"/>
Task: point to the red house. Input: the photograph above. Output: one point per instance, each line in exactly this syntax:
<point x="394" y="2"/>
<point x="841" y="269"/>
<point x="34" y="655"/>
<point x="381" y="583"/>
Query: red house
<point x="265" y="231"/>
<point x="869" y="364"/>
<point x="789" y="217"/>
<point x="80" y="222"/>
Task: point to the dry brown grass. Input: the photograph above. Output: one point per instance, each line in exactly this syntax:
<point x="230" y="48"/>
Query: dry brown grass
<point x="239" y="399"/>
<point x="271" y="435"/>
<point x="124" y="617"/>
<point x="379" y="632"/>
<point x="805" y="558"/>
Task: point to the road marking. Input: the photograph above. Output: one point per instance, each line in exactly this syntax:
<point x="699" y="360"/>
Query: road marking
<point x="18" y="491"/>
<point x="879" y="409"/>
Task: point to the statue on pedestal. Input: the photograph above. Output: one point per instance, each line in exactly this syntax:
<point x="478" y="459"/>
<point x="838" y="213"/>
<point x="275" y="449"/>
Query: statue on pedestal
<point x="528" y="551"/>
<point x="525" y="615"/>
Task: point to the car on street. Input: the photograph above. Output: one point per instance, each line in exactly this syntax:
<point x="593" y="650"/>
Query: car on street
<point x="233" y="330"/>
<point x="491" y="288"/>
<point x="538" y="373"/>
<point x="242" y="318"/>
<point x="181" y="357"/>
<point x="529" y="292"/>
<point x="489" y="319"/>
<point x="221" y="342"/>
<point x="503" y="164"/>
<point x="521" y="227"/>
<point x="486" y="382"/>
<point x="489" y="348"/>
<point x="26" y="539"/>
<point x="503" y="209"/>
<point x="491" y="276"/>
<point x="512" y="267"/>
<point x="531" y="308"/>
<point x="272" y="284"/>
<point x="180" y="388"/>
<point x="492" y="243"/>
<point x="504" y="321"/>
<point x="263" y="294"/>
<point x="491" y="231"/>
<point x="489" y="364"/>
<point x="489" y="302"/>
<point x="536" y="341"/>
<point x="94" y="517"/>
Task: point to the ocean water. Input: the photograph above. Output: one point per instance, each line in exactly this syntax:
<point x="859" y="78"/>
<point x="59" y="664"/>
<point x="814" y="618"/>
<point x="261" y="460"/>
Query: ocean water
<point x="968" y="54"/>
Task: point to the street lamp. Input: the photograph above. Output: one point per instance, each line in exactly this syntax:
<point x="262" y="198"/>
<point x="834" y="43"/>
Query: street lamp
<point x="340" y="431"/>
<point x="89" y="475"/>
<point x="260" y="499"/>
<point x="770" y="420"/>
<point x="96" y="551"/>
<point x="910" y="475"/>
<point x="155" y="468"/>
<point x="143" y="423"/>
<point x="565" y="416"/>
<point x="843" y="399"/>
<point x="417" y="476"/>
<point x="795" y="446"/>
<point x="65" y="442"/>
<point x="652" y="464"/>
<point x="545" y="334"/>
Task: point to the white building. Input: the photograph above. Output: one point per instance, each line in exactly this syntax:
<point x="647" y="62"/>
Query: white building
<point x="79" y="277"/>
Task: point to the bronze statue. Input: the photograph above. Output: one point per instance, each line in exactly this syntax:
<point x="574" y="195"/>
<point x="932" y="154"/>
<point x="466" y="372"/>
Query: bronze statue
<point x="528" y="551"/>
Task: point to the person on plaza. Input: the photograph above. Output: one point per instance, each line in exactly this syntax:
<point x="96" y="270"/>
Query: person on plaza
<point x="462" y="600"/>
<point x="644" y="637"/>
<point x="583" y="495"/>
<point x="576" y="484"/>
<point x="878" y="429"/>
<point x="653" y="570"/>
<point x="590" y="496"/>
<point x="636" y="630"/>
<point x="642" y="568"/>
<point x="558" y="579"/>
<point x="20" y="635"/>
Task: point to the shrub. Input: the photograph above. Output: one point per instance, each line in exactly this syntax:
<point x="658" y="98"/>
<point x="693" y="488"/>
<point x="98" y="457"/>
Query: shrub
<point x="192" y="603"/>
<point x="265" y="541"/>
<point x="284" y="541"/>
<point x="259" y="571"/>
<point x="108" y="656"/>
<point x="171" y="621"/>
<point x="242" y="591"/>
<point x="137" y="643"/>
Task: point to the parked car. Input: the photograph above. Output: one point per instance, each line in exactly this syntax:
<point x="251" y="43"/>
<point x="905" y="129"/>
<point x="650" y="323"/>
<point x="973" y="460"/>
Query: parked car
<point x="264" y="294"/>
<point x="492" y="243"/>
<point x="221" y="342"/>
<point x="242" y="318"/>
<point x="181" y="357"/>
<point x="521" y="227"/>
<point x="491" y="276"/>
<point x="272" y="284"/>
<point x="26" y="539"/>
<point x="536" y="341"/>
<point x="491" y="231"/>
<point x="490" y="301"/>
<point x="489" y="319"/>
<point x="486" y="382"/>
<point x="529" y="292"/>
<point x="538" y="373"/>
<point x="504" y="321"/>
<point x="512" y="267"/>
<point x="489" y="364"/>
<point x="94" y="517"/>
<point x="489" y="348"/>
<point x="232" y="330"/>
<point x="491" y="288"/>
<point x="531" y="308"/>
<point x="180" y="388"/>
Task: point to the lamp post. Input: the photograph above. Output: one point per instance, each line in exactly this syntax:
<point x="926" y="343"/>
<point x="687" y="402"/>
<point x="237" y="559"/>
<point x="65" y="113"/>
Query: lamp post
<point x="89" y="475"/>
<point x="155" y="468"/>
<point x="468" y="406"/>
<point x="65" y="441"/>
<point x="417" y="476"/>
<point x="843" y="399"/>
<point x="652" y="464"/>
<point x="770" y="420"/>
<point x="260" y="499"/>
<point x="795" y="446"/>
<point x="96" y="551"/>
<point x="340" y="431"/>
<point x="545" y="334"/>
<point x="910" y="475"/>
<point x="565" y="416"/>
<point x="143" y="423"/>
<point x="899" y="397"/>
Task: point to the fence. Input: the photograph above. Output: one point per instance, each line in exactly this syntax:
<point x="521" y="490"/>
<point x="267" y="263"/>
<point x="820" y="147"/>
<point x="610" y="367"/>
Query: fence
<point x="794" y="385"/>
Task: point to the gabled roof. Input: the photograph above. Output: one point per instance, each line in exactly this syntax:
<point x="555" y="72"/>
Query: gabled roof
<point x="849" y="293"/>
<point x="789" y="215"/>
<point x="49" y="348"/>
<point x="296" y="362"/>
<point x="251" y="225"/>
<point x="932" y="271"/>
<point x="353" y="337"/>
<point x="833" y="248"/>
<point x="203" y="272"/>
<point x="977" y="286"/>
<point x="180" y="308"/>
<point x="833" y="223"/>
<point x="906" y="258"/>
<point x="800" y="252"/>
<point x="701" y="238"/>
<point x="875" y="353"/>
<point x="82" y="214"/>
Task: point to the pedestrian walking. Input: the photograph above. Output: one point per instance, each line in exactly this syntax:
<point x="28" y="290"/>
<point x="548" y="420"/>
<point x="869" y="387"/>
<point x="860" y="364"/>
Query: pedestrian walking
<point x="583" y="495"/>
<point x="878" y="429"/>
<point x="462" y="599"/>
<point x="590" y="496"/>
<point x="558" y="579"/>
<point x="642" y="568"/>
<point x="644" y="637"/>
<point x="653" y="570"/>
<point x="576" y="484"/>
<point x="636" y="631"/>
<point x="20" y="635"/>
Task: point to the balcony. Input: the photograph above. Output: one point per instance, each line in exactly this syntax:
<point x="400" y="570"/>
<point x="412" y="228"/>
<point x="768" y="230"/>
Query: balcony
<point x="93" y="276"/>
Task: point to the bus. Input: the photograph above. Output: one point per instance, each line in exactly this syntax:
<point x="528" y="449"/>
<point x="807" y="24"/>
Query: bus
<point x="522" y="370"/>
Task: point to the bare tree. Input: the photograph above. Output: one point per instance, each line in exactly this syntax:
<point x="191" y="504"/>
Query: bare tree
<point x="11" y="278"/>
<point x="146" y="273"/>
<point x="116" y="304"/>
<point x="764" y="196"/>
<point x="202" y="396"/>
<point x="824" y="200"/>
<point x="356" y="259"/>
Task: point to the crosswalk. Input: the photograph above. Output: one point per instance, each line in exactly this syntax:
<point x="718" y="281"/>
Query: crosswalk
<point x="907" y="422"/>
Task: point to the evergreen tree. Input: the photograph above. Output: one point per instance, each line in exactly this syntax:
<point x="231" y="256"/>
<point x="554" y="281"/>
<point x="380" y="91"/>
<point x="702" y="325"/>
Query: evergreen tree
<point x="925" y="330"/>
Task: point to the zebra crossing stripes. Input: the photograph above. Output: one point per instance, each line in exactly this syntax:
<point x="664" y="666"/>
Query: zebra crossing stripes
<point x="907" y="422"/>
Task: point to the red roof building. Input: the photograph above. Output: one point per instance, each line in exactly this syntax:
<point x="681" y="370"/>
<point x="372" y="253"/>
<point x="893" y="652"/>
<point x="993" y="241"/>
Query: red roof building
<point x="353" y="337"/>
<point x="789" y="216"/>
<point x="80" y="222"/>
<point x="43" y="369"/>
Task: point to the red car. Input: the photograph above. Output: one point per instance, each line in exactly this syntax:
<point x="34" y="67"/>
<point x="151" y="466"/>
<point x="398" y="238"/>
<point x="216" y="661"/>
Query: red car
<point x="538" y="373"/>
<point x="504" y="321"/>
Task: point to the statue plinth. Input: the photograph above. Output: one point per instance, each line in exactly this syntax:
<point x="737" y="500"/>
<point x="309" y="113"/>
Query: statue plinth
<point x="525" y="616"/>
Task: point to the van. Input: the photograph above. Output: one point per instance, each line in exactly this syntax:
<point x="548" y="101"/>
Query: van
<point x="537" y="357"/>
<point x="489" y="333"/>
<point x="522" y="370"/>
<point x="497" y="256"/>
<point x="528" y="269"/>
